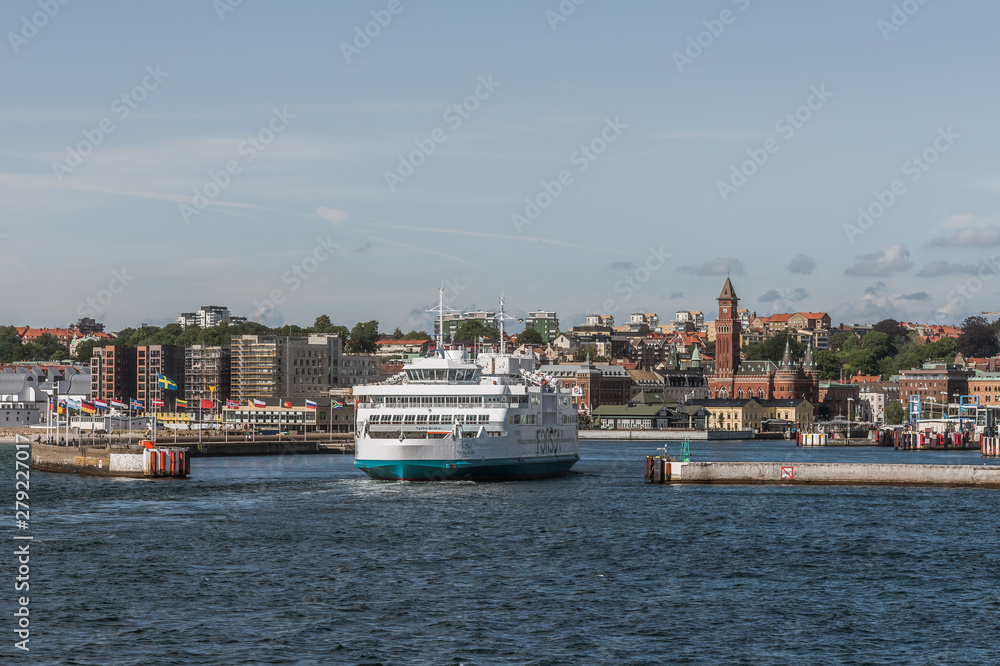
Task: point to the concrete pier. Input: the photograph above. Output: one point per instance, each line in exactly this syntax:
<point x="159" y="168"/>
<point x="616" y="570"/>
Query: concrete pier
<point x="665" y="435"/>
<point x="822" y="473"/>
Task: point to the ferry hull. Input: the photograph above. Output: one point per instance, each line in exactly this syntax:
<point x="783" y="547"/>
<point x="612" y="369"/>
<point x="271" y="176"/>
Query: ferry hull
<point x="467" y="470"/>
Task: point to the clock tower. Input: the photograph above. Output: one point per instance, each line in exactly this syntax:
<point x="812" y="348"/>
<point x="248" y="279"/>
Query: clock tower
<point x="727" y="333"/>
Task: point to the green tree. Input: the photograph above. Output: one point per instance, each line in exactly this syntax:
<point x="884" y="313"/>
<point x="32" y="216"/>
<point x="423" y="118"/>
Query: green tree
<point x="473" y="329"/>
<point x="898" y="334"/>
<point x="839" y="340"/>
<point x="85" y="350"/>
<point x="397" y="334"/>
<point x="363" y="338"/>
<point x="710" y="348"/>
<point x="322" y="323"/>
<point x="530" y="336"/>
<point x="44" y="348"/>
<point x="944" y="349"/>
<point x="895" y="413"/>
<point x="828" y="364"/>
<point x="773" y="349"/>
<point x="10" y="345"/>
<point x="978" y="339"/>
<point x="417" y="335"/>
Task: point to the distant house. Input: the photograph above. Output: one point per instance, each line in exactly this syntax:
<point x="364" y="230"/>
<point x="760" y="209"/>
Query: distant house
<point x="405" y="348"/>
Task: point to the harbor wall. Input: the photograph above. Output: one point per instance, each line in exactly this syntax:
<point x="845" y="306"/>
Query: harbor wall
<point x="664" y="435"/>
<point x="833" y="474"/>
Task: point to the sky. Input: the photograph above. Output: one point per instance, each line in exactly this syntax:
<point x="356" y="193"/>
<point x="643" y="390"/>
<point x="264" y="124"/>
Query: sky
<point x="302" y="158"/>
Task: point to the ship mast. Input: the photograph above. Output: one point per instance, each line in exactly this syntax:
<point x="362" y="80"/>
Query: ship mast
<point x="501" y="317"/>
<point x="440" y="310"/>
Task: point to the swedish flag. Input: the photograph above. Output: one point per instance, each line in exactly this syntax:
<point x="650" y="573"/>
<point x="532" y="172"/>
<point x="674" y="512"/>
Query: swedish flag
<point x="166" y="383"/>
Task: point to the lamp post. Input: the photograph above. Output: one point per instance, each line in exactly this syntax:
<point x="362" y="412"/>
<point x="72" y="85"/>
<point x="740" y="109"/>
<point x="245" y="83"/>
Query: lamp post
<point x="849" y="401"/>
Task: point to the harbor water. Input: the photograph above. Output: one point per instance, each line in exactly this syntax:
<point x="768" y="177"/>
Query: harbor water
<point x="304" y="560"/>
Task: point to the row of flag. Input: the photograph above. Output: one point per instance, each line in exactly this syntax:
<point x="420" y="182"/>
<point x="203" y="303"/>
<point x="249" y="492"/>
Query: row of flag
<point x="94" y="406"/>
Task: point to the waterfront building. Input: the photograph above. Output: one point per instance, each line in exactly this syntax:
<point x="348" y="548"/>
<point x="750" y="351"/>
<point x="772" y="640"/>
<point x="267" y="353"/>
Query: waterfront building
<point x="645" y="411"/>
<point x="838" y="399"/>
<point x="763" y="380"/>
<point x="207" y="372"/>
<point x="266" y="366"/>
<point x="593" y="385"/>
<point x="873" y="398"/>
<point x="358" y="369"/>
<point x="934" y="383"/>
<point x="984" y="387"/>
<point x="152" y="361"/>
<point x="757" y="415"/>
<point x="25" y="390"/>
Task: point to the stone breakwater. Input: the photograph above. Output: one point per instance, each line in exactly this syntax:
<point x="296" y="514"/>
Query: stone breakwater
<point x="660" y="470"/>
<point x="134" y="462"/>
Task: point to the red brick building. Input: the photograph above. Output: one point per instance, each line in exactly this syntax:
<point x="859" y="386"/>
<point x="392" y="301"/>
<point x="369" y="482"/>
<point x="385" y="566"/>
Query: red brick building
<point x="763" y="380"/>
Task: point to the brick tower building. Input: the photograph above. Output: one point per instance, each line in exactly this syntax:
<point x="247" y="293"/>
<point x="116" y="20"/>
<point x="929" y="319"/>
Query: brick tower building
<point x="763" y="380"/>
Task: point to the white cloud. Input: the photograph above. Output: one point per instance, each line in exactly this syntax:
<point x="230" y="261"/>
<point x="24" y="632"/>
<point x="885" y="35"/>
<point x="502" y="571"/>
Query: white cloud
<point x="334" y="216"/>
<point x="971" y="236"/>
<point x="889" y="261"/>
<point x="801" y="265"/>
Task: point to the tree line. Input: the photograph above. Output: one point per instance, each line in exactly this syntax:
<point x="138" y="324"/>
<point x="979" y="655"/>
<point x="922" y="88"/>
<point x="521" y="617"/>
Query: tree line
<point x="362" y="338"/>
<point x="885" y="350"/>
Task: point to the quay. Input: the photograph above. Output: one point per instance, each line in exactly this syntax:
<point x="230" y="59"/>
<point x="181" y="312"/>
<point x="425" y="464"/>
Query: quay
<point x="665" y="435"/>
<point x="667" y="470"/>
<point x="113" y="461"/>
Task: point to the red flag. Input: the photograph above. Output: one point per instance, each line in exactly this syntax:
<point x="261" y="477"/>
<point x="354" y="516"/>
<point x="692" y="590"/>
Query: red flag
<point x="288" y="404"/>
<point x="207" y="404"/>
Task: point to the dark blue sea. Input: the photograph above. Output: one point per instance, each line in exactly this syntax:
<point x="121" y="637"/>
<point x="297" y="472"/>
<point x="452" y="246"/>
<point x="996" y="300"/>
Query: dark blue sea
<point x="303" y="560"/>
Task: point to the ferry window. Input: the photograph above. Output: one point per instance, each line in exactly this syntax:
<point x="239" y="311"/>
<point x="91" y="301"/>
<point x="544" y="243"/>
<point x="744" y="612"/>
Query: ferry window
<point x="484" y="418"/>
<point x="433" y="418"/>
<point x="397" y="418"/>
<point x="446" y="418"/>
<point x="410" y="418"/>
<point x="421" y="418"/>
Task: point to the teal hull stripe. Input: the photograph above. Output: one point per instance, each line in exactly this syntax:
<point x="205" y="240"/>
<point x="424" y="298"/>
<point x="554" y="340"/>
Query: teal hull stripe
<point x="470" y="470"/>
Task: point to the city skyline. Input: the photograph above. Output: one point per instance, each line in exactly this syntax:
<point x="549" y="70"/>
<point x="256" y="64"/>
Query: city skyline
<point x="572" y="156"/>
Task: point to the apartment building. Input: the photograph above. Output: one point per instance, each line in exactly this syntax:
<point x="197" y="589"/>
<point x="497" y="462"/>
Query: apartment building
<point x="264" y="366"/>
<point x="545" y="322"/>
<point x="207" y="372"/>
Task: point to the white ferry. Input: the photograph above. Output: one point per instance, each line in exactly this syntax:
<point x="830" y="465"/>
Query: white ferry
<point x="449" y="418"/>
